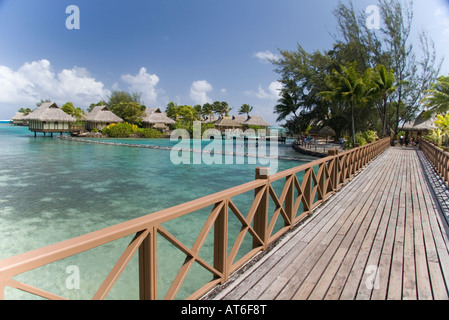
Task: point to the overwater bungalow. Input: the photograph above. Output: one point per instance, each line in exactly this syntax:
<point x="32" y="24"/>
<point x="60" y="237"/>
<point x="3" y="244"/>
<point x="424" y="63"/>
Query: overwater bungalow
<point x="239" y="118"/>
<point x="49" y="118"/>
<point x="226" y="123"/>
<point x="256" y="121"/>
<point x="18" y="119"/>
<point x="209" y="119"/>
<point x="156" y="119"/>
<point x="100" y="117"/>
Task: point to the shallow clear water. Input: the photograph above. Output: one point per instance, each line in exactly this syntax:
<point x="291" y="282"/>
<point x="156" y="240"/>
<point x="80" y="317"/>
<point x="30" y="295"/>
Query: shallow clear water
<point x="52" y="190"/>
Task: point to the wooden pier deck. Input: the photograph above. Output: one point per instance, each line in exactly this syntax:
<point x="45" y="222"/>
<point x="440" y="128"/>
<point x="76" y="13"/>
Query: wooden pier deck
<point x="383" y="236"/>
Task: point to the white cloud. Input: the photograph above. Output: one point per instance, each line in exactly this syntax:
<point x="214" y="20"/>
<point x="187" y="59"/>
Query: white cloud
<point x="441" y="11"/>
<point x="271" y="93"/>
<point x="37" y="80"/>
<point x="143" y="83"/>
<point x="199" y="90"/>
<point x="266" y="56"/>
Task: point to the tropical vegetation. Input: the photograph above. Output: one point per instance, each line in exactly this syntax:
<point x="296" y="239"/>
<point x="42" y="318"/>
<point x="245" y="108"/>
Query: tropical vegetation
<point x="369" y="80"/>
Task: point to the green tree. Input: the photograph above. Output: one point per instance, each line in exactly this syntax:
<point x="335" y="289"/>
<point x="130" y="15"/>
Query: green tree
<point x="127" y="106"/>
<point x="25" y="111"/>
<point x="99" y="103"/>
<point x="442" y="123"/>
<point x="70" y="109"/>
<point x="347" y="87"/>
<point x="245" y="109"/>
<point x="131" y="112"/>
<point x="208" y="110"/>
<point x="172" y="110"/>
<point x="117" y="97"/>
<point x="437" y="97"/>
<point x="221" y="108"/>
<point x="382" y="87"/>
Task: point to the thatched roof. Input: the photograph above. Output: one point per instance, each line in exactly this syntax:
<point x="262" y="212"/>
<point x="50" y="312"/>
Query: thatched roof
<point x="314" y="130"/>
<point x="18" y="116"/>
<point x="155" y="115"/>
<point x="420" y="123"/>
<point x="256" y="121"/>
<point x="240" y="119"/>
<point x="102" y="114"/>
<point x="227" y="122"/>
<point x="49" y="111"/>
<point x="327" y="132"/>
<point x="209" y="119"/>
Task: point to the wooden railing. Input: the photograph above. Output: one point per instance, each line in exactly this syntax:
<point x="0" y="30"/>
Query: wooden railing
<point x="438" y="157"/>
<point x="304" y="188"/>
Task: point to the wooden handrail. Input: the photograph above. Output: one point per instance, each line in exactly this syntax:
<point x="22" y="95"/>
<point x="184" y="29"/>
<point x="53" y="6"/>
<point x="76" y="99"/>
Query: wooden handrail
<point x="438" y="157"/>
<point x="321" y="178"/>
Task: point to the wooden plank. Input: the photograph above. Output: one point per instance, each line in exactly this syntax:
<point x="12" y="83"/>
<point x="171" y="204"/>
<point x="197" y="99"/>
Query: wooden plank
<point x="385" y="220"/>
<point x="370" y="252"/>
<point x="288" y="280"/>
<point x="260" y="278"/>
<point x="348" y="229"/>
<point x="346" y="254"/>
<point x="409" y="284"/>
<point x="356" y="259"/>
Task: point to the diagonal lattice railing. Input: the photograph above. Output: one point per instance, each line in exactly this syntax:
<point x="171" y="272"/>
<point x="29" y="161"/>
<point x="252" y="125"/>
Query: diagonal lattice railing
<point x="273" y="211"/>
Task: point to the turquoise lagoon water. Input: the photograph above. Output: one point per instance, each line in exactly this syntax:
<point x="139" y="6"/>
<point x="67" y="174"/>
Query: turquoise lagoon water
<point x="52" y="190"/>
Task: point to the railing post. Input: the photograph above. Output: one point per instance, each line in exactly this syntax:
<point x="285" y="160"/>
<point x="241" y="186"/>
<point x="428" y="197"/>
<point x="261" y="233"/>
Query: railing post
<point x="290" y="200"/>
<point x="147" y="267"/>
<point x="221" y="242"/>
<point x="333" y="172"/>
<point x="261" y="216"/>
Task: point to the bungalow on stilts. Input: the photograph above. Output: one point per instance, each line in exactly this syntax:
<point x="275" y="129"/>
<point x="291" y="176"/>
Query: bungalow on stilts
<point x="49" y="118"/>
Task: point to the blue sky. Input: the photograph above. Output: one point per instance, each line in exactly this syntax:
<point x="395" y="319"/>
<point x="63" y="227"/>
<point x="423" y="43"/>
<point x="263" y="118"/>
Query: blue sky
<point x="186" y="51"/>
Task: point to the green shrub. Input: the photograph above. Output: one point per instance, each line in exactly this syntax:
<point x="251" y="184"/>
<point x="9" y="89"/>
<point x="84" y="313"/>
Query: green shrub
<point x="370" y="136"/>
<point x="148" y="133"/>
<point x="360" y="139"/>
<point x="120" y="130"/>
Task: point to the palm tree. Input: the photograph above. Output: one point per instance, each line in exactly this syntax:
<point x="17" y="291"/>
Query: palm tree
<point x="217" y="108"/>
<point x="221" y="108"/>
<point x="245" y="109"/>
<point x="437" y="98"/>
<point x="442" y="123"/>
<point x="383" y="87"/>
<point x="349" y="88"/>
<point x="208" y="110"/>
<point x="287" y="105"/>
<point x="25" y="111"/>
<point x="172" y="110"/>
<point x="68" y="108"/>
<point x="226" y="109"/>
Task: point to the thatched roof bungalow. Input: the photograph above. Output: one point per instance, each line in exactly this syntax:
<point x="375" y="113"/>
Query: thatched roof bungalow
<point x="49" y="118"/>
<point x="18" y="119"/>
<point x="256" y="121"/>
<point x="239" y="118"/>
<point x="420" y="126"/>
<point x="225" y="123"/>
<point x="209" y="119"/>
<point x="100" y="117"/>
<point x="156" y="119"/>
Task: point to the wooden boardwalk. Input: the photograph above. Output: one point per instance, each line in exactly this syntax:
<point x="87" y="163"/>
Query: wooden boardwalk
<point x="382" y="236"/>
